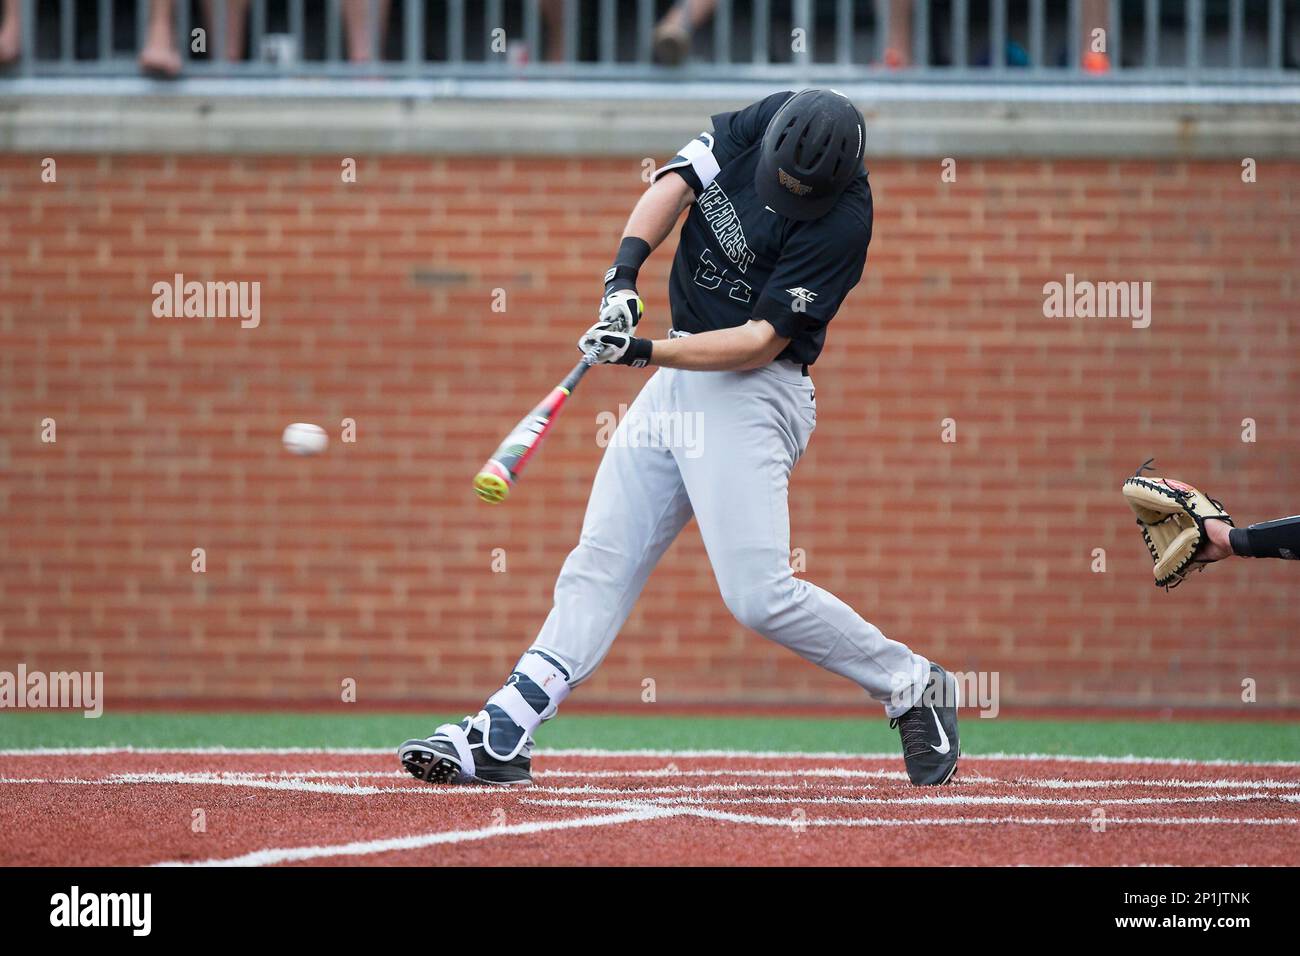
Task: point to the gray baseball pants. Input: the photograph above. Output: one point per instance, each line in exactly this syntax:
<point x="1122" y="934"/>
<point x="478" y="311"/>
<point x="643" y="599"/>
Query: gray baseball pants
<point x="719" y="446"/>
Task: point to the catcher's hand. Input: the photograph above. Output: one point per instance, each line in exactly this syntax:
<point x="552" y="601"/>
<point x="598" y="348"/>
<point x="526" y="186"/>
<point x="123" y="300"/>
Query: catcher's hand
<point x="1172" y="516"/>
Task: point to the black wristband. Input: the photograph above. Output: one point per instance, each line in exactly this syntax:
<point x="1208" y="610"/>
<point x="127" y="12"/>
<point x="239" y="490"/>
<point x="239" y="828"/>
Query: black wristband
<point x="632" y="252"/>
<point x="637" y="354"/>
<point x="1268" y="539"/>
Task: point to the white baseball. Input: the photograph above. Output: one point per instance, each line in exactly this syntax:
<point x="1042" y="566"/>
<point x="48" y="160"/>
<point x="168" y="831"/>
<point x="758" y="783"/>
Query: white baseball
<point x="302" y="438"/>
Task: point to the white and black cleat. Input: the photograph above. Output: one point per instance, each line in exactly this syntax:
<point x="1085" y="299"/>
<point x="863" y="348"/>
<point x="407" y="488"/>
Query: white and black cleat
<point x="455" y="754"/>
<point x="929" y="732"/>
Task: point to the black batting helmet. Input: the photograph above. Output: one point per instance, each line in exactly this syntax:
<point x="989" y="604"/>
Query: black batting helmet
<point x="811" y="151"/>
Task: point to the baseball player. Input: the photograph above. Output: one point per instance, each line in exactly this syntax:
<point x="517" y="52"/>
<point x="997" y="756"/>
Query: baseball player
<point x="780" y="218"/>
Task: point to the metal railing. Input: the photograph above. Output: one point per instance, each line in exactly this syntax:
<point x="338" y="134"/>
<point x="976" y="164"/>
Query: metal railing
<point x="609" y="41"/>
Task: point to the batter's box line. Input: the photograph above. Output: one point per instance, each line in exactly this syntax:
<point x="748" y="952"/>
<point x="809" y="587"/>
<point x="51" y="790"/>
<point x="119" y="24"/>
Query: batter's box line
<point x="273" y="856"/>
<point x="1152" y="782"/>
<point x="791" y="823"/>
<point x="672" y="772"/>
<point x="288" y="784"/>
<point x="640" y="814"/>
<point x="284" y="781"/>
<point x="919" y="801"/>
<point x="639" y="799"/>
<point x="300" y="785"/>
<point x="1053" y="783"/>
<point x="892" y="757"/>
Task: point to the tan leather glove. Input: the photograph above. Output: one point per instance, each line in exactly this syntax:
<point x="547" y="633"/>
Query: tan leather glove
<point x="1171" y="515"/>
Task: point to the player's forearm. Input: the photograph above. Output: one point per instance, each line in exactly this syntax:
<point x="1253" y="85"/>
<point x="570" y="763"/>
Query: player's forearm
<point x="722" y="350"/>
<point x="658" y="209"/>
<point x="652" y="219"/>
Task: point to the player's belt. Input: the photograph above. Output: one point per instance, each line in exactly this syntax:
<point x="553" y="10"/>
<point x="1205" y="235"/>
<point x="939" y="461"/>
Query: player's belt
<point x="803" y="368"/>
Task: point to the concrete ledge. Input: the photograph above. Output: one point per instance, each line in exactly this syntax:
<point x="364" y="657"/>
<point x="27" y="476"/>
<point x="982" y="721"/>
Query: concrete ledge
<point x="925" y="126"/>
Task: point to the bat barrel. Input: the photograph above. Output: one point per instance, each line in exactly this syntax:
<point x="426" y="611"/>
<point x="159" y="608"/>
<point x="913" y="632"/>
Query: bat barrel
<point x="495" y="479"/>
<point x="492" y="483"/>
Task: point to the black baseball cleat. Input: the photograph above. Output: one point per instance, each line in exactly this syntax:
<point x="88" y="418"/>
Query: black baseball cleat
<point x="929" y="732"/>
<point x="455" y="754"/>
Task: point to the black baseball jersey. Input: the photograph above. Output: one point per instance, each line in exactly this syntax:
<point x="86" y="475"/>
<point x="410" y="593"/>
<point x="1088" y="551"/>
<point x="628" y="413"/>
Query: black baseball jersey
<point x="738" y="260"/>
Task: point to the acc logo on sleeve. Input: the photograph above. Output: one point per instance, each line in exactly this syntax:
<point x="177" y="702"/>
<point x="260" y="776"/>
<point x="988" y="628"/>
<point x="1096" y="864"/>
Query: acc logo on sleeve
<point x="802" y="294"/>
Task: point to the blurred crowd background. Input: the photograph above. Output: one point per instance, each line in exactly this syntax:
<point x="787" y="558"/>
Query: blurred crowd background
<point x="890" y="35"/>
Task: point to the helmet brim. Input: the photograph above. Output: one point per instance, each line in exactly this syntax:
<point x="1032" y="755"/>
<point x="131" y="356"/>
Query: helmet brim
<point x="799" y="208"/>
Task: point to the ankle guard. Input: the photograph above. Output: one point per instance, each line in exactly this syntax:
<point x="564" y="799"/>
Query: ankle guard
<point x="1270" y="539"/>
<point x="532" y="693"/>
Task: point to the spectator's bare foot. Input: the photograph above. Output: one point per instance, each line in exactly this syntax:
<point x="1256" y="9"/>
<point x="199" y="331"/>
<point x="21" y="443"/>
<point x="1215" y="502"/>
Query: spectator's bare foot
<point x="671" y="44"/>
<point x="159" y="56"/>
<point x="160" y="59"/>
<point x="1219" y="544"/>
<point x="1095" y="62"/>
<point x="895" y="59"/>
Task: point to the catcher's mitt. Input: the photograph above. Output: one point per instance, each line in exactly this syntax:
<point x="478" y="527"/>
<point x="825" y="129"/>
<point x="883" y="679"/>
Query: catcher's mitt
<point x="1172" y="516"/>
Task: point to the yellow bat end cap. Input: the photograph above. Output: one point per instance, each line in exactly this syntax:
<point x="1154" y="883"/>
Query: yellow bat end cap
<point x="491" y="488"/>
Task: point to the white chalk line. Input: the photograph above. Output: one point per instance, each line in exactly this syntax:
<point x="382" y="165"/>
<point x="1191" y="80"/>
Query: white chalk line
<point x="674" y="772"/>
<point x="309" y="781"/>
<point x="630" y="812"/>
<point x="986" y="821"/>
<point x="936" y="800"/>
<point x="718" y="794"/>
<point x="257" y="783"/>
<point x="653" y="803"/>
<point x="796" y="773"/>
<point x="1084" y="784"/>
<point x="669" y="754"/>
<point x="273" y="856"/>
<point x="811" y="772"/>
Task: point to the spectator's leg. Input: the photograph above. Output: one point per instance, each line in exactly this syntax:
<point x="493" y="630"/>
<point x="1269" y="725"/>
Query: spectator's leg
<point x="160" y="55"/>
<point x="236" y="28"/>
<point x="356" y="21"/>
<point x="898" y="43"/>
<point x="553" y="18"/>
<point x="11" y="34"/>
<point x="1095" y="55"/>
<point x="236" y="25"/>
<point x="672" y="41"/>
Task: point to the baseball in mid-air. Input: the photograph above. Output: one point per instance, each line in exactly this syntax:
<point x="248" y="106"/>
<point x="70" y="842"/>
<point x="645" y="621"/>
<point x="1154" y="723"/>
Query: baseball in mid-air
<point x="302" y="438"/>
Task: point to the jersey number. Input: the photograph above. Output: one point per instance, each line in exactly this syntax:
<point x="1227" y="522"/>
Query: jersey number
<point x="709" y="276"/>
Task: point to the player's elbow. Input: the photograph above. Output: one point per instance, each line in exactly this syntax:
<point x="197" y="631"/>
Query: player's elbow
<point x="762" y="345"/>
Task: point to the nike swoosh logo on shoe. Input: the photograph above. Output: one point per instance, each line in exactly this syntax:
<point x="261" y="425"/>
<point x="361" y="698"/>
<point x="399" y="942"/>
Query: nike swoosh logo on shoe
<point x="943" y="738"/>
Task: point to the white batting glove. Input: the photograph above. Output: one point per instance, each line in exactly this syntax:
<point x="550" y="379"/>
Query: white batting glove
<point x="621" y="310"/>
<point x="614" y="347"/>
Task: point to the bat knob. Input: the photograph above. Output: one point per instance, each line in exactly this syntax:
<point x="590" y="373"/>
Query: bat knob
<point x="492" y="483"/>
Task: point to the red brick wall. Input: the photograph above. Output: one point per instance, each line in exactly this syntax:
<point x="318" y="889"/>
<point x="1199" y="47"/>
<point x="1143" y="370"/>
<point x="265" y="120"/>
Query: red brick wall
<point x="374" y="561"/>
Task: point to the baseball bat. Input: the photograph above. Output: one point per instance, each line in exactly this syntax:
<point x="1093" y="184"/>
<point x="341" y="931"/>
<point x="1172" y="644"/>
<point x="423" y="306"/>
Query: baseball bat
<point x="499" y="473"/>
